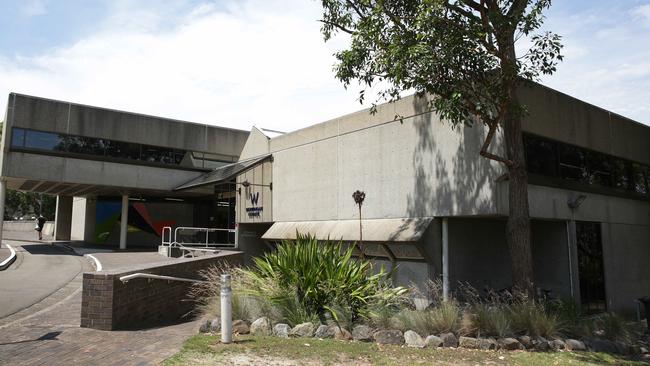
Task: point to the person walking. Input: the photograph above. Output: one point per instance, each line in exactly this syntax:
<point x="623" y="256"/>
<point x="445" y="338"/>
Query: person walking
<point x="40" y="222"/>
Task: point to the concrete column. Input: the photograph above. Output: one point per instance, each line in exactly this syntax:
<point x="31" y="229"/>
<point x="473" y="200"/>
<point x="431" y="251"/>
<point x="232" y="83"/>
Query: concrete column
<point x="3" y="195"/>
<point x="124" y="221"/>
<point x="445" y="258"/>
<point x="63" y="219"/>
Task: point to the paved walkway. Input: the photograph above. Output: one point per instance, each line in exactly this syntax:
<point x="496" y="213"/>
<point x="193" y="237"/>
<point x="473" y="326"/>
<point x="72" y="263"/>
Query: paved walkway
<point x="48" y="332"/>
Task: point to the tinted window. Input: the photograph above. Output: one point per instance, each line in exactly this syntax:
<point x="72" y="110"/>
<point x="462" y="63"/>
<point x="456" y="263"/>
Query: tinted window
<point x="122" y="150"/>
<point x="600" y="169"/>
<point x="18" y="137"/>
<point x="623" y="175"/>
<point x="541" y="156"/>
<point x="572" y="163"/>
<point x="639" y="174"/>
<point x="43" y="141"/>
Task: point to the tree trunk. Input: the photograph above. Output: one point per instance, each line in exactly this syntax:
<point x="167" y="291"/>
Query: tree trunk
<point x="518" y="227"/>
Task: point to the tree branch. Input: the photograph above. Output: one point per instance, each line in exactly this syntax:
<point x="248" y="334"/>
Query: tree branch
<point x="337" y="26"/>
<point x="486" y="144"/>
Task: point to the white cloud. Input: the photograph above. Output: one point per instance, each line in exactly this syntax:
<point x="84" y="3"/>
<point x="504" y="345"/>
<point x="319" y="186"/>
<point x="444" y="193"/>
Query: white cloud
<point x="642" y="11"/>
<point x="254" y="62"/>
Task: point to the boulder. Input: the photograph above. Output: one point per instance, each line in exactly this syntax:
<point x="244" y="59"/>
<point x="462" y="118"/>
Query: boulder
<point x="215" y="325"/>
<point x="488" y="344"/>
<point x="526" y="341"/>
<point x="303" y="330"/>
<point x="575" y="345"/>
<point x="204" y="327"/>
<point x="281" y="330"/>
<point x="509" y="344"/>
<point x="412" y="339"/>
<point x="468" y="342"/>
<point x="557" y="344"/>
<point x="362" y="333"/>
<point x="325" y="331"/>
<point x="240" y="327"/>
<point x="388" y="337"/>
<point x="433" y="341"/>
<point x="601" y="345"/>
<point x="341" y="334"/>
<point x="644" y="350"/>
<point x="449" y="340"/>
<point x="261" y="326"/>
<point x="541" y="344"/>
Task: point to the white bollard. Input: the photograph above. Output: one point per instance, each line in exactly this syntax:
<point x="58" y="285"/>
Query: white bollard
<point x="226" y="309"/>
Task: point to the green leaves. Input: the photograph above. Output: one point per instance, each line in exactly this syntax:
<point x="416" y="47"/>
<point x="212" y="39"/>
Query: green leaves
<point x="321" y="277"/>
<point x="461" y="51"/>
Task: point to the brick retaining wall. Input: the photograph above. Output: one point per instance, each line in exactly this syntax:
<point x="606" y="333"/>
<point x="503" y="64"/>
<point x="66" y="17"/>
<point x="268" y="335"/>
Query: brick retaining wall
<point x="109" y="304"/>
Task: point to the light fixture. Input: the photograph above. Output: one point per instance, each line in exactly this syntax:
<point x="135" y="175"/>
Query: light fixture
<point x="575" y="202"/>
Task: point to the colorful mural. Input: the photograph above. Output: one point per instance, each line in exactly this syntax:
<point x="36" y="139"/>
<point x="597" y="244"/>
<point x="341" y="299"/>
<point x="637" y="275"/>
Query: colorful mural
<point x="109" y="213"/>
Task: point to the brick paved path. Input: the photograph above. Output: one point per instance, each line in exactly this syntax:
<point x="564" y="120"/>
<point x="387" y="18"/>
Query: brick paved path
<point x="48" y="333"/>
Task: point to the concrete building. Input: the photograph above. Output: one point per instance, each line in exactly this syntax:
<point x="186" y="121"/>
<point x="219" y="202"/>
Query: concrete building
<point x="437" y="210"/>
<point x="105" y="165"/>
<point x="434" y="209"/>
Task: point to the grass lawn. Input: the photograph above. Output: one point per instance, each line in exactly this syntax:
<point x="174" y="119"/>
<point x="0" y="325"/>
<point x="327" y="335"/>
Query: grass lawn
<point x="249" y="350"/>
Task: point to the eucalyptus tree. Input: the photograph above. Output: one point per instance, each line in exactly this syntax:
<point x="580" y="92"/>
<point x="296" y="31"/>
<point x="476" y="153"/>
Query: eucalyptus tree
<point x="465" y="54"/>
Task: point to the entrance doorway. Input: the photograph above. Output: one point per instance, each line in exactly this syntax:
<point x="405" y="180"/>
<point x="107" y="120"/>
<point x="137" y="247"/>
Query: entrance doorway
<point x="590" y="267"/>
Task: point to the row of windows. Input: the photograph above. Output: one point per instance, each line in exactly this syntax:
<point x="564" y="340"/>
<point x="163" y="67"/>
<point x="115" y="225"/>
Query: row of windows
<point x="555" y="159"/>
<point x="91" y="146"/>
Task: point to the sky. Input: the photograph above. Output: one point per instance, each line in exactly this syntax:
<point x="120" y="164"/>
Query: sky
<point x="239" y="63"/>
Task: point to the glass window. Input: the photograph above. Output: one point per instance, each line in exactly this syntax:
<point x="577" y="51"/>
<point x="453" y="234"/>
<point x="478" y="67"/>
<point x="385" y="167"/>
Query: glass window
<point x="44" y="141"/>
<point x="600" y="169"/>
<point x="572" y="163"/>
<point x="17" y="137"/>
<point x="155" y="154"/>
<point x="84" y="145"/>
<point x="639" y="176"/>
<point x="541" y="156"/>
<point x="623" y="175"/>
<point x="122" y="150"/>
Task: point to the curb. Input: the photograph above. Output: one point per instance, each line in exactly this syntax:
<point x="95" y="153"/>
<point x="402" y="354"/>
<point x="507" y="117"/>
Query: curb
<point x="7" y="262"/>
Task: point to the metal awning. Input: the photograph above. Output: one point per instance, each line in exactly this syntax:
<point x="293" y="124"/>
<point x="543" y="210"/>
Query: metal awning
<point x="224" y="173"/>
<point x="374" y="230"/>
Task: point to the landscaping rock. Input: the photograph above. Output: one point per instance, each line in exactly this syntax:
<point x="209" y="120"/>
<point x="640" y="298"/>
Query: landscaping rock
<point x="449" y="340"/>
<point x="468" y="342"/>
<point x="215" y="325"/>
<point x="575" y="345"/>
<point x="509" y="344"/>
<point x="433" y="341"/>
<point x="526" y="341"/>
<point x="325" y="331"/>
<point x="341" y="334"/>
<point x="601" y="345"/>
<point x="240" y="327"/>
<point x="362" y="333"/>
<point x="204" y="327"/>
<point x="261" y="326"/>
<point x="388" y="337"/>
<point x="541" y="344"/>
<point x="558" y="344"/>
<point x="303" y="330"/>
<point x="488" y="344"/>
<point x="412" y="339"/>
<point x="644" y="350"/>
<point x="281" y="330"/>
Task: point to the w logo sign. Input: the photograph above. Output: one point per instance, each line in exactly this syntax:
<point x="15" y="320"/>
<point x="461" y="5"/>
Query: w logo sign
<point x="254" y="198"/>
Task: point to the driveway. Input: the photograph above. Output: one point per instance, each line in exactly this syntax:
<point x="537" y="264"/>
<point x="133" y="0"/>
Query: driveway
<point x="39" y="271"/>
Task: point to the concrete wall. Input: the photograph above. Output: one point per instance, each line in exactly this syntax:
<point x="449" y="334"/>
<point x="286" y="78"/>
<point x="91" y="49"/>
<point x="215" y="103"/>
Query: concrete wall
<point x="249" y="241"/>
<point x="257" y="144"/>
<point x="63" y="220"/>
<point x="417" y="167"/>
<point x="83" y="219"/>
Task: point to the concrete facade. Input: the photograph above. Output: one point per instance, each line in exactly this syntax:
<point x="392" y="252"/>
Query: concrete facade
<point x="419" y="166"/>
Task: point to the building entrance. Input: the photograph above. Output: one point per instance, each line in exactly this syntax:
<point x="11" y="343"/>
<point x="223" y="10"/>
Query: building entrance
<point x="590" y="267"/>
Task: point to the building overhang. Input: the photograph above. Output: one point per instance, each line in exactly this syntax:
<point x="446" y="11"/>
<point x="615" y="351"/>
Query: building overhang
<point x="223" y="174"/>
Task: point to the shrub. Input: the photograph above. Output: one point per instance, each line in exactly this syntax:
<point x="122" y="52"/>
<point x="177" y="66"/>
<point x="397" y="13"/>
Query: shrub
<point x="308" y="279"/>
<point x="441" y="319"/>
<point x="530" y="317"/>
<point x="491" y="320"/>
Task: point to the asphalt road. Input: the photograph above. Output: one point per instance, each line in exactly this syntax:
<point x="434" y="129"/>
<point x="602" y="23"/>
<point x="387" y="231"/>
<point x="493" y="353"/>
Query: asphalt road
<point x="39" y="270"/>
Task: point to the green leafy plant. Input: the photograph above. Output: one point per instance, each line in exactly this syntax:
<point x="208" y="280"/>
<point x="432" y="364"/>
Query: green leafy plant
<point x="313" y="279"/>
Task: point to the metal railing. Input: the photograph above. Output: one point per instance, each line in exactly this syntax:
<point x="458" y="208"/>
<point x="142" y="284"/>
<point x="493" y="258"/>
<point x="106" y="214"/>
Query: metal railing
<point x="126" y="278"/>
<point x="195" y="240"/>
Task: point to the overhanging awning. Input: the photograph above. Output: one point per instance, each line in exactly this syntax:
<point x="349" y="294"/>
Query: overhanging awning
<point x="374" y="230"/>
<point x="224" y="173"/>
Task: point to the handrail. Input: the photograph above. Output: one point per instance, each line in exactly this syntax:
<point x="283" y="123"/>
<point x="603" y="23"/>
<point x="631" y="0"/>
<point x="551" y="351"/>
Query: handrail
<point x="126" y="278"/>
<point x="207" y="230"/>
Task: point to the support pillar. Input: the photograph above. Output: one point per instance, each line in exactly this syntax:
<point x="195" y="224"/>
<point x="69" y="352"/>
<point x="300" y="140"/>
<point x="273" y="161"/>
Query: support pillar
<point x="3" y="194"/>
<point x="63" y="218"/>
<point x="572" y="253"/>
<point x="124" y="221"/>
<point x="445" y="258"/>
